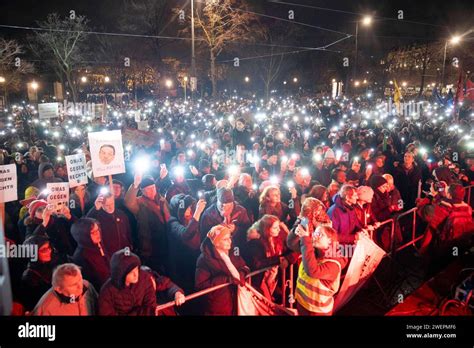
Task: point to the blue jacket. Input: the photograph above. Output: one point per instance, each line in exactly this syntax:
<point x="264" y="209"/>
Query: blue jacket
<point x="344" y="221"/>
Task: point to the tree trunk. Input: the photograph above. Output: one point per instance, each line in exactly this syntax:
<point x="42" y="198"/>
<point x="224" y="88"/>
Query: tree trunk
<point x="72" y="87"/>
<point x="213" y="75"/>
<point x="422" y="84"/>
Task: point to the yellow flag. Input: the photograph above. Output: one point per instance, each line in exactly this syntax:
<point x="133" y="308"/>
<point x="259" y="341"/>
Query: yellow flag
<point x="397" y="95"/>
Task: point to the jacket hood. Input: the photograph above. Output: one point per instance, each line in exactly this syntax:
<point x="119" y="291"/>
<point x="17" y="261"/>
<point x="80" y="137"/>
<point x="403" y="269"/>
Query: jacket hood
<point x="81" y="232"/>
<point x="122" y="262"/>
<point x="42" y="168"/>
<point x="179" y="204"/>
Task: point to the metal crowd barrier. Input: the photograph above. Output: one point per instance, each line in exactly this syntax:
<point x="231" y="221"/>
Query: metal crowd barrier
<point x="289" y="283"/>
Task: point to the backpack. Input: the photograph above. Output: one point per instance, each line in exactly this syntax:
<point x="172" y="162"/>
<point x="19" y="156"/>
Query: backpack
<point x="458" y="225"/>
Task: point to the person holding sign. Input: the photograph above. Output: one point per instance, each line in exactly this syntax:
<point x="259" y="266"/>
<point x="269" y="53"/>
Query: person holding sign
<point x="319" y="273"/>
<point x="114" y="223"/>
<point x="152" y="213"/>
<point x="56" y="225"/>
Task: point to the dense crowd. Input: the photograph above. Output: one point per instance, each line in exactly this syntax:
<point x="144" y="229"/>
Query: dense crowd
<point x="225" y="188"/>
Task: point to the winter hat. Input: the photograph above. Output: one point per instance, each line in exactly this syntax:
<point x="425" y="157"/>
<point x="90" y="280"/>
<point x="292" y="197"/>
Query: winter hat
<point x="365" y="193"/>
<point x="147" y="181"/>
<point x="225" y="195"/>
<point x="35" y="205"/>
<point x="217" y="233"/>
<point x="376" y="181"/>
<point x="207" y="181"/>
<point x="46" y="167"/>
<point x="329" y="154"/>
<point x="30" y="195"/>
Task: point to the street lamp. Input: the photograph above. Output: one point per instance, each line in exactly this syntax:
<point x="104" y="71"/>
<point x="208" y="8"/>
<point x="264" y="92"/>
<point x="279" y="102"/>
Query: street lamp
<point x="247" y="79"/>
<point x="83" y="79"/>
<point x="106" y="79"/>
<point x="366" y="22"/>
<point x="169" y="83"/>
<point x="295" y="80"/>
<point x="185" y="79"/>
<point x="453" y="41"/>
<point x="34" y="85"/>
<point x="2" y="79"/>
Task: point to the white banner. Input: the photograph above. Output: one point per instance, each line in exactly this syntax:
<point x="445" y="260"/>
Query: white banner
<point x="8" y="183"/>
<point x="58" y="194"/>
<point x="106" y="153"/>
<point x="48" y="110"/>
<point x="76" y="170"/>
<point x="366" y="258"/>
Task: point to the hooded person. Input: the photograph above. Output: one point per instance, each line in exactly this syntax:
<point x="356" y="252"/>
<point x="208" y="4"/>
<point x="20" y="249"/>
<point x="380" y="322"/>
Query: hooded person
<point x="184" y="239"/>
<point x="226" y="211"/>
<point x="217" y="265"/>
<point x="45" y="176"/>
<point x="36" y="279"/>
<point x="89" y="254"/>
<point x="129" y="290"/>
<point x="152" y="213"/>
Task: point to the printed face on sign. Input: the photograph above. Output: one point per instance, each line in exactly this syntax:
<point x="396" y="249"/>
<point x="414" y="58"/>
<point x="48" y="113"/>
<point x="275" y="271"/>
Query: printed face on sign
<point x="107" y="154"/>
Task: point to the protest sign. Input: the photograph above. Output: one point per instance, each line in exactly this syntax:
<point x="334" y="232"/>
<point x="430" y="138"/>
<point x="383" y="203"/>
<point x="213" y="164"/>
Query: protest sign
<point x="48" y="110"/>
<point x="8" y="183"/>
<point x="58" y="194"/>
<point x="76" y="170"/>
<point x="366" y="258"/>
<point x="107" y="153"/>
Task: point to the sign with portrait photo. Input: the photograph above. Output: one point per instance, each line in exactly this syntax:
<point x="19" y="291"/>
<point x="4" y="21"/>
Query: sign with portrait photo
<point x="106" y="153"/>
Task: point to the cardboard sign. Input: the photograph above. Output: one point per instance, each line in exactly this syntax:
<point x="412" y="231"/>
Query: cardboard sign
<point x="142" y="125"/>
<point x="366" y="258"/>
<point x="107" y="153"/>
<point x="8" y="183"/>
<point x="48" y="110"/>
<point x="58" y="194"/>
<point x="76" y="170"/>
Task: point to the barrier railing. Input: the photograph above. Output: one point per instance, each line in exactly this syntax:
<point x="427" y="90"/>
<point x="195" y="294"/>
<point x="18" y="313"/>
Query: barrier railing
<point x="209" y="290"/>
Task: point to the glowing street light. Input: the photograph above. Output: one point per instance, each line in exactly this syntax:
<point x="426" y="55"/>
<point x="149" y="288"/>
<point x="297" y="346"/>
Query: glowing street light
<point x="106" y="79"/>
<point x="247" y="79"/>
<point x="453" y="41"/>
<point x="83" y="79"/>
<point x="404" y="83"/>
<point x="295" y="80"/>
<point x="367" y="20"/>
<point x="34" y="85"/>
<point x="2" y="79"/>
<point x="169" y="83"/>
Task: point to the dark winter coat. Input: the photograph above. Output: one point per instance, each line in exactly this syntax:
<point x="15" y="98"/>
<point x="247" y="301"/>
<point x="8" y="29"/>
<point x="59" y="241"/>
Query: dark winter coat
<point x="116" y="232"/>
<point x="211" y="271"/>
<point x="407" y="183"/>
<point x="58" y="231"/>
<point x="211" y="217"/>
<point x="184" y="242"/>
<point x="118" y="299"/>
<point x="95" y="266"/>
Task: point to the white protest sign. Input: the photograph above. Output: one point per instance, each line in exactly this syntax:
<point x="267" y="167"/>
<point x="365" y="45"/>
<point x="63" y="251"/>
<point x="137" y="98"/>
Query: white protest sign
<point x="142" y="125"/>
<point x="8" y="183"/>
<point x="76" y="170"/>
<point x="366" y="258"/>
<point x="107" y="153"/>
<point x="58" y="194"/>
<point x="48" y="110"/>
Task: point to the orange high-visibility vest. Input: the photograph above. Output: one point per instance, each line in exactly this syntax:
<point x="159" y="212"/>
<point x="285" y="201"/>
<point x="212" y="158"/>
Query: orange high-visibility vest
<point x="312" y="294"/>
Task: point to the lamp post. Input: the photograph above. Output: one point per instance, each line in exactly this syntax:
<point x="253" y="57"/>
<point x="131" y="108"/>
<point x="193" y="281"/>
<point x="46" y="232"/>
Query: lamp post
<point x="3" y="81"/>
<point x="185" y="79"/>
<point x="193" y="55"/>
<point x="454" y="41"/>
<point x="366" y="21"/>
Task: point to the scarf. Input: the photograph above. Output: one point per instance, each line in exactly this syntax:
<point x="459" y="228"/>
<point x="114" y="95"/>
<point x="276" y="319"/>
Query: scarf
<point x="230" y="266"/>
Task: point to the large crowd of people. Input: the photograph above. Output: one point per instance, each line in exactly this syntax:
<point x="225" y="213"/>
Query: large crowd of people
<point x="224" y="188"/>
